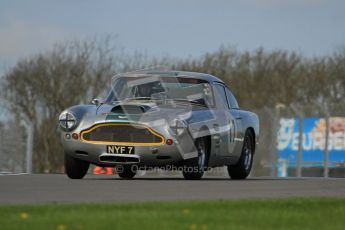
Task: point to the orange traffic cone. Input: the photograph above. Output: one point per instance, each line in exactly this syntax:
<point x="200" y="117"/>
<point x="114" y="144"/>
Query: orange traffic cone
<point x="109" y="171"/>
<point x="97" y="170"/>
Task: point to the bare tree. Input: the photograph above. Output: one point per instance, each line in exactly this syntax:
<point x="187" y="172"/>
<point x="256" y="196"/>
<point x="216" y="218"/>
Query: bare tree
<point x="41" y="86"/>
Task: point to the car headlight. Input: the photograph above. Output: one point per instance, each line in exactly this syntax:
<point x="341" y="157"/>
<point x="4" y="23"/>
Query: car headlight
<point x="67" y="121"/>
<point x="177" y="127"/>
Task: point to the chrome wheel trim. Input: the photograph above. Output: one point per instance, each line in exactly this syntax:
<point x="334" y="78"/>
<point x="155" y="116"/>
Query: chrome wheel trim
<point x="201" y="154"/>
<point x="247" y="155"/>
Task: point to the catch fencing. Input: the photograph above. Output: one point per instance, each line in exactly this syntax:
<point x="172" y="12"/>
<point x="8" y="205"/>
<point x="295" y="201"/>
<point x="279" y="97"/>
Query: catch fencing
<point x="16" y="140"/>
<point x="296" y="142"/>
<point x="293" y="142"/>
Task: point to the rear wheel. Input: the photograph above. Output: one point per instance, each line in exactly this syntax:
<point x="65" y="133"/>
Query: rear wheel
<point x="126" y="171"/>
<point x="194" y="168"/>
<point x="243" y="167"/>
<point x="75" y="168"/>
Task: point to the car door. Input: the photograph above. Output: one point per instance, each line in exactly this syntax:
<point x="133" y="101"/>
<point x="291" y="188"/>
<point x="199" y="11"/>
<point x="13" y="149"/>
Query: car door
<point x="226" y="123"/>
<point x="237" y="119"/>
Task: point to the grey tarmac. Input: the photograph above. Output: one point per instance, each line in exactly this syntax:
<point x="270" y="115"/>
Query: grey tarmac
<point x="57" y="188"/>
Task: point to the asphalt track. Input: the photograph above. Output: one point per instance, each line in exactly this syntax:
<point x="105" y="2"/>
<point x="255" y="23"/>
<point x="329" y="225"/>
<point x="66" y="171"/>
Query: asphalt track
<point x="50" y="188"/>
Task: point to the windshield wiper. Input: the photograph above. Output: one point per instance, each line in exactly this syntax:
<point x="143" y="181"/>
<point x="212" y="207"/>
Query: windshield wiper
<point x="140" y="98"/>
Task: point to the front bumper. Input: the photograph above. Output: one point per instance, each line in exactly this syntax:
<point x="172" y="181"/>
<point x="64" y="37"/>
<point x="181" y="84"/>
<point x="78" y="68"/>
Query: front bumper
<point x="145" y="155"/>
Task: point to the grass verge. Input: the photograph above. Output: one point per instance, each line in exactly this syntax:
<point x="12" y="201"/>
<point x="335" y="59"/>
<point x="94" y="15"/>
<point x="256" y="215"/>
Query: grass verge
<point x="291" y="213"/>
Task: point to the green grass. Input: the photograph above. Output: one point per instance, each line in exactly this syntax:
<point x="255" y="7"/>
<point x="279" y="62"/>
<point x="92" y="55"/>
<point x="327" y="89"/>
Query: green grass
<point x="292" y="213"/>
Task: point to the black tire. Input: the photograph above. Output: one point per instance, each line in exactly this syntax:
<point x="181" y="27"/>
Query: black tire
<point x="194" y="168"/>
<point x="243" y="167"/>
<point x="75" y="168"/>
<point x="126" y="171"/>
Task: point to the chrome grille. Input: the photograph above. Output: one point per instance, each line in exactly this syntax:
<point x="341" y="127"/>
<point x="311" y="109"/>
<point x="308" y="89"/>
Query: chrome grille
<point x="115" y="133"/>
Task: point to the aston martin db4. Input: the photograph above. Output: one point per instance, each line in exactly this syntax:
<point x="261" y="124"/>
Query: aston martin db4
<point x="152" y="119"/>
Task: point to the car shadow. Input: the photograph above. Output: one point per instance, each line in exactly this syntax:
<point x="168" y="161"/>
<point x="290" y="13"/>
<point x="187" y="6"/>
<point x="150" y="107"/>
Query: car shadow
<point x="162" y="178"/>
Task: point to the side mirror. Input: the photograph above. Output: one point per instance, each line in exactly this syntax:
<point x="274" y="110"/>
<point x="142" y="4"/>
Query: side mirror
<point x="97" y="101"/>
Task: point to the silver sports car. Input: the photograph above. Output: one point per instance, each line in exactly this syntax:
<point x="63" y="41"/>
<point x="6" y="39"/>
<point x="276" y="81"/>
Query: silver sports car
<point x="171" y="119"/>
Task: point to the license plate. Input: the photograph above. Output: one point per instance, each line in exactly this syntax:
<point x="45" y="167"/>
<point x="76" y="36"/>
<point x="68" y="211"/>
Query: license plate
<point x="117" y="149"/>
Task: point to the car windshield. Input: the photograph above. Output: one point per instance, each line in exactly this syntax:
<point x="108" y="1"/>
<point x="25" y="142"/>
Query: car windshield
<point x="181" y="89"/>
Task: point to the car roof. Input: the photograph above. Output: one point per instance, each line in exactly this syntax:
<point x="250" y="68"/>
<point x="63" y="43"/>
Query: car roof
<point x="203" y="76"/>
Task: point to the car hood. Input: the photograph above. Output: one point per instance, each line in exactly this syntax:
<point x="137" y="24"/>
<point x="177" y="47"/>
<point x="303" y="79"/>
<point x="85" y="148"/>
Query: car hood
<point x="145" y="112"/>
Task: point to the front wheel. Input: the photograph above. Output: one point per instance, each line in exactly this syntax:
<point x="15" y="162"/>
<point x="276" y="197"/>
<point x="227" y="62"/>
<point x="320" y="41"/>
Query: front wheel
<point x="75" y="168"/>
<point x="194" y="168"/>
<point x="243" y="167"/>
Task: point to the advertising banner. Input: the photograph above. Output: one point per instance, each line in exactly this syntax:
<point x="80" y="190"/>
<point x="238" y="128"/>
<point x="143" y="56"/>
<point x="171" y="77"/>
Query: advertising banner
<point x="313" y="141"/>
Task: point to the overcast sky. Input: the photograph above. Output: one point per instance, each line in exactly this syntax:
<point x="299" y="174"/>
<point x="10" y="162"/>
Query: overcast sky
<point x="178" y="28"/>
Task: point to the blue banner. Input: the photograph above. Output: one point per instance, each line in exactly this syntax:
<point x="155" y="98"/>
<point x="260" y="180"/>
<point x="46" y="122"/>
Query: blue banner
<point x="313" y="141"/>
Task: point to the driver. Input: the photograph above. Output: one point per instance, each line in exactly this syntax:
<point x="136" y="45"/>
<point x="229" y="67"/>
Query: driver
<point x="144" y="90"/>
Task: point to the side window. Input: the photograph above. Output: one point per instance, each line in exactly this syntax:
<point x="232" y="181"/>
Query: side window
<point x="231" y="99"/>
<point x="220" y="95"/>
